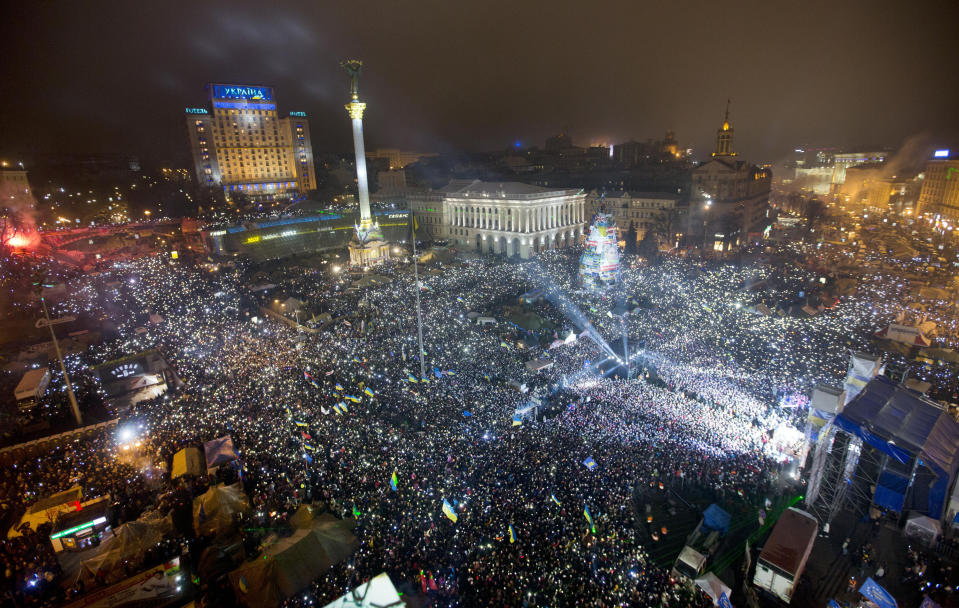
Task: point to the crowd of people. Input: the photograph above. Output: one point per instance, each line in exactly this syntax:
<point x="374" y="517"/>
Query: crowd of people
<point x="345" y="417"/>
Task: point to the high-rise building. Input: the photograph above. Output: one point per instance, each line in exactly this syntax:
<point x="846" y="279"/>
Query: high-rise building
<point x="940" y="187"/>
<point x="730" y="197"/>
<point x="242" y="144"/>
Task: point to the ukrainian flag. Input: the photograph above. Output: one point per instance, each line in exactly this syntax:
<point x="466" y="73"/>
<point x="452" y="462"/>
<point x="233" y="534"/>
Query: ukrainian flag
<point x="308" y="446"/>
<point x="368" y="391"/>
<point x="393" y="481"/>
<point x="512" y="534"/>
<point x="589" y="518"/>
<point x="412" y="378"/>
<point x="448" y="511"/>
<point x="300" y="423"/>
<point x="517" y="420"/>
<point x="338" y="386"/>
<point x="556" y="500"/>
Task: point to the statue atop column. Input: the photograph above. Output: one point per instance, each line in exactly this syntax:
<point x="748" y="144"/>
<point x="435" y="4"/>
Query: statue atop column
<point x="353" y="67"/>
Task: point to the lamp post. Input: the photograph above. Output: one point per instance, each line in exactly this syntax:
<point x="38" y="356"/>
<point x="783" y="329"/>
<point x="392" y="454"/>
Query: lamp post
<point x="56" y="345"/>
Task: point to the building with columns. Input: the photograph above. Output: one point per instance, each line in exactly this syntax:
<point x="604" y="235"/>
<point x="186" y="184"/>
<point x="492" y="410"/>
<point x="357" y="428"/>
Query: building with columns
<point x="509" y="218"/>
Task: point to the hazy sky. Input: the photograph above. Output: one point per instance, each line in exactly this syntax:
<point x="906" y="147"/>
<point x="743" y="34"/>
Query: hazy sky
<point x="94" y="75"/>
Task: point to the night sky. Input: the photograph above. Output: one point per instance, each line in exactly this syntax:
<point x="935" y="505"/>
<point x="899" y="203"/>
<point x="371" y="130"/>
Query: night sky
<point x="462" y="75"/>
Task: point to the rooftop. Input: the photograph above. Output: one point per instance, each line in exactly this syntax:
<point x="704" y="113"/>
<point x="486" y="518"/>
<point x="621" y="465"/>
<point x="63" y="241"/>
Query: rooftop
<point x="480" y="189"/>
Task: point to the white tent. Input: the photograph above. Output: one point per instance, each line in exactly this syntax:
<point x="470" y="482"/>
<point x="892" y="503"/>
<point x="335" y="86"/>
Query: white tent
<point x="127" y="542"/>
<point x="904" y="334"/>
<point x="713" y="587"/>
<point x="378" y="591"/>
<point x="924" y="528"/>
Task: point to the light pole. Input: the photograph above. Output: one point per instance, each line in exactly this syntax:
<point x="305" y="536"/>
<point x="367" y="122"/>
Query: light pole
<point x="419" y="313"/>
<point x="56" y="345"/>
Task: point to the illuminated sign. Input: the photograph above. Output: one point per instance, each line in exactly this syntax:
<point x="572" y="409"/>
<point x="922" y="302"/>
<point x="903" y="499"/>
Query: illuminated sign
<point x="303" y="114"/>
<point x="196" y="111"/>
<point x="126" y="370"/>
<point x="89" y="524"/>
<point x="941" y="154"/>
<point x="233" y="91"/>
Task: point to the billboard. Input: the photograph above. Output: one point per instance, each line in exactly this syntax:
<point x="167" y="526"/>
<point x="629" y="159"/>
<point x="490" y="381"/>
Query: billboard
<point x="242" y="92"/>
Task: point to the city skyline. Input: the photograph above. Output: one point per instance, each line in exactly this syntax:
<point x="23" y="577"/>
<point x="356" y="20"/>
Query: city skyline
<point x="518" y="75"/>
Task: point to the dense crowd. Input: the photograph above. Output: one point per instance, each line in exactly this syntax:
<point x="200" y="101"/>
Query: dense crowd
<point x="331" y="416"/>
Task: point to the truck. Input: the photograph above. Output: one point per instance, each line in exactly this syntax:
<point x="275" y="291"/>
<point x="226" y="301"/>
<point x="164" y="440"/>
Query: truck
<point x="31" y="387"/>
<point x="783" y="558"/>
<point x="702" y="543"/>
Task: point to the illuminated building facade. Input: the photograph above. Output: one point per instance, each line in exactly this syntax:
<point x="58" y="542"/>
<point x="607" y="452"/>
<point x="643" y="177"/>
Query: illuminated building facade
<point x="644" y="210"/>
<point x="730" y="197"/>
<point x="842" y="162"/>
<point x="397" y="159"/>
<point x="511" y="219"/>
<point x="940" y="187"/>
<point x="14" y="187"/>
<point x="242" y="144"/>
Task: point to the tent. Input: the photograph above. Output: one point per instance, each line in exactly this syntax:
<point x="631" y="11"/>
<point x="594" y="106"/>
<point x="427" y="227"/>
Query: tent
<point x="213" y="511"/>
<point x="715" y="518"/>
<point x="902" y="333"/>
<point x="376" y="592"/>
<point x="187" y="461"/>
<point x="127" y="542"/>
<point x="906" y="426"/>
<point x="289" y="564"/>
<point x="713" y="587"/>
<point x="219" y="451"/>
<point x="924" y="528"/>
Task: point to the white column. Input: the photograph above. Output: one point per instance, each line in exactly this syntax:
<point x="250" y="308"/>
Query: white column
<point x="362" y="185"/>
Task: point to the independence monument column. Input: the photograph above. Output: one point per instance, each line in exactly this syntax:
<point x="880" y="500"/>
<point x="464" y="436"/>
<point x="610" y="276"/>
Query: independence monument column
<point x="367" y="246"/>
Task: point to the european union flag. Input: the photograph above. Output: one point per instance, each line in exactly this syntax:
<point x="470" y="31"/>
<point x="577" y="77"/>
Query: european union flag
<point x="590" y="464"/>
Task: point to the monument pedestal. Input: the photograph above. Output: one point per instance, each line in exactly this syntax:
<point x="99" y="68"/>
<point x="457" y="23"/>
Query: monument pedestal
<point x="369" y="253"/>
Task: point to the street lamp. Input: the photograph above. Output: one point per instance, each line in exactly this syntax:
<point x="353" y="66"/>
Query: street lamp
<point x="56" y="345"/>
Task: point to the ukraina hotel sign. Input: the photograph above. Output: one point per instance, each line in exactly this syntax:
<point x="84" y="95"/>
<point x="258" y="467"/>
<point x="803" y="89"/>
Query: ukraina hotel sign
<point x="235" y="91"/>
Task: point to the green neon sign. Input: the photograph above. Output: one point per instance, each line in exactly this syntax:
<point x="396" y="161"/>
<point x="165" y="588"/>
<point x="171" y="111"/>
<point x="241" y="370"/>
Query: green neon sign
<point x="89" y="524"/>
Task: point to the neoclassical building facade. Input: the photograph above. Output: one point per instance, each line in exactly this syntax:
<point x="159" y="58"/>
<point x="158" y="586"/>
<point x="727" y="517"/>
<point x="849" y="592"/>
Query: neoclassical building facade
<point x="508" y="218"/>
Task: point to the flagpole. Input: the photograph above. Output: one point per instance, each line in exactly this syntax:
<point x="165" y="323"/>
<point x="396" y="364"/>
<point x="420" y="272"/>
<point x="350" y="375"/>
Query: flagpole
<point x="419" y="312"/>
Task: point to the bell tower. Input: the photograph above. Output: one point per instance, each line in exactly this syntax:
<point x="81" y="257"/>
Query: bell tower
<point x="724" y="137"/>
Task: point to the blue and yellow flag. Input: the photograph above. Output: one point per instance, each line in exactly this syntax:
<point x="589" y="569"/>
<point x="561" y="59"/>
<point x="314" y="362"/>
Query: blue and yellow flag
<point x="556" y="500"/>
<point x="589" y="518"/>
<point x="412" y="378"/>
<point x="368" y="391"/>
<point x="300" y="423"/>
<point x="448" y="511"/>
<point x="512" y="534"/>
<point x="308" y="446"/>
<point x="338" y="386"/>
<point x="393" y="481"/>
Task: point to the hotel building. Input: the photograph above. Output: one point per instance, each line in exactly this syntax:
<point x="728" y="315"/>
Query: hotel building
<point x="241" y="144"/>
